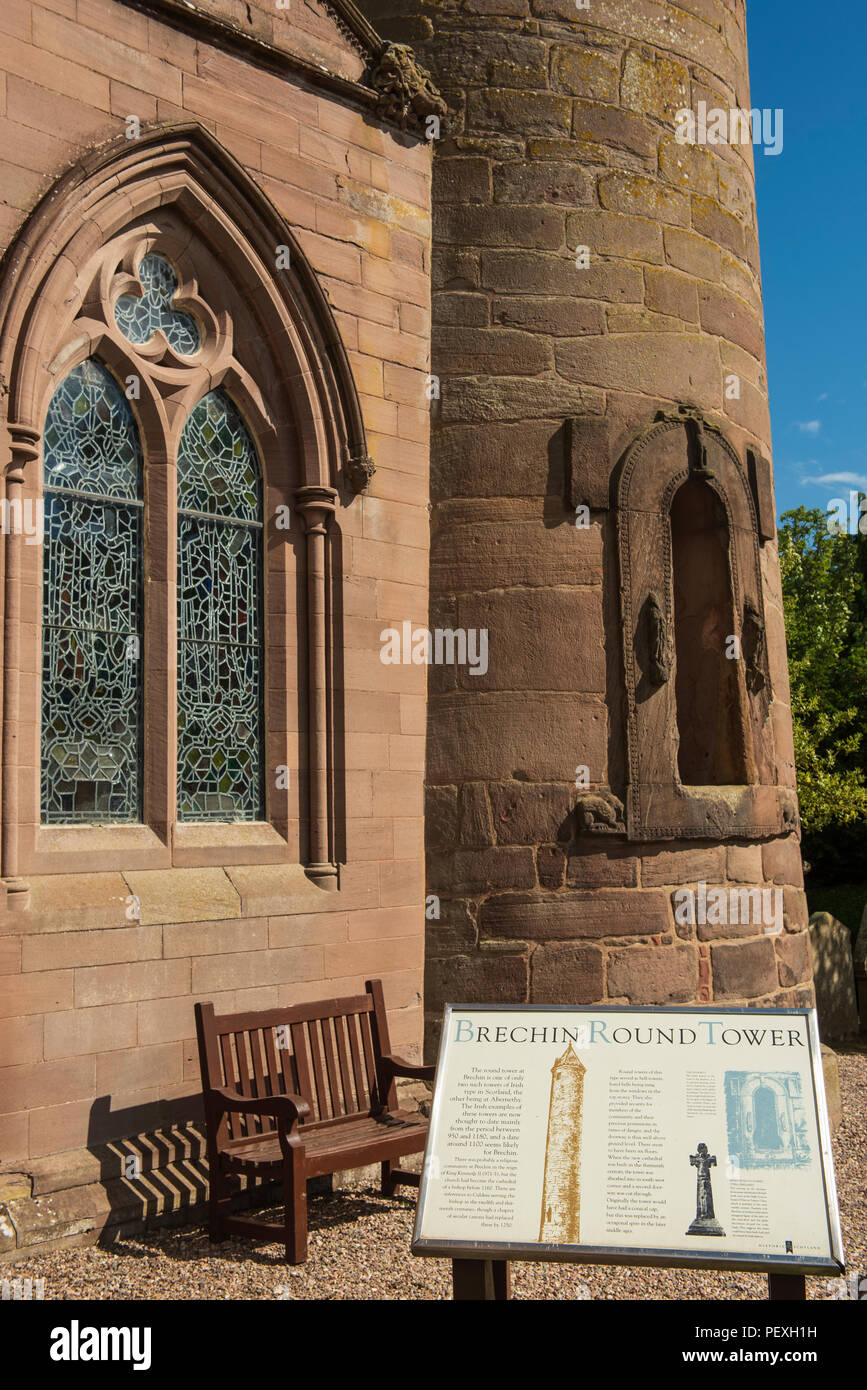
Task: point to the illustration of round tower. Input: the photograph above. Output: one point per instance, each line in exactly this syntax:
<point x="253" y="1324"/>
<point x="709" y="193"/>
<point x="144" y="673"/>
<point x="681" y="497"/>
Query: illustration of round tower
<point x="561" y="1190"/>
<point x="603" y="508"/>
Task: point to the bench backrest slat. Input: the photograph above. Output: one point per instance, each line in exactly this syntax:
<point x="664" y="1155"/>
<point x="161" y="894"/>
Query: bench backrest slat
<point x="325" y="1051"/>
<point x="237" y="1127"/>
<point x="320" y="1096"/>
<point x="349" y="1099"/>
<point x="358" y="1072"/>
<point x="294" y="1013"/>
<point x="275" y="1068"/>
<point x="332" y="1077"/>
<point x="301" y="1061"/>
<point x="255" y="1038"/>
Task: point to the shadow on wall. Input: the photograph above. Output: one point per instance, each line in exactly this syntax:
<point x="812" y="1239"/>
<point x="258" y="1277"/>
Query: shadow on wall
<point x="158" y="1168"/>
<point x="157" y="1175"/>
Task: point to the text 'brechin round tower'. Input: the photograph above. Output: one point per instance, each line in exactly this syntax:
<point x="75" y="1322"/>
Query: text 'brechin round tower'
<point x="610" y="813"/>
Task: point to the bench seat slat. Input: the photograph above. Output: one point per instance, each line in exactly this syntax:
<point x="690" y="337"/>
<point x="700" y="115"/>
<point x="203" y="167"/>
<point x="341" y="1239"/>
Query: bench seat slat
<point x="338" y="1141"/>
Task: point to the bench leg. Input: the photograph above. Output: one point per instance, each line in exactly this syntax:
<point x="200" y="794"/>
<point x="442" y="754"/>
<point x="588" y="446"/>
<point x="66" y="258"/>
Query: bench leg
<point x="215" y="1217"/>
<point x="295" y="1194"/>
<point x="393" y="1176"/>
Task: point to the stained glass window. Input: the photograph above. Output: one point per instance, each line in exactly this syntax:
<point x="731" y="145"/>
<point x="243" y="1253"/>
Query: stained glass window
<point x="139" y="316"/>
<point x="91" y="610"/>
<point x="219" y="626"/>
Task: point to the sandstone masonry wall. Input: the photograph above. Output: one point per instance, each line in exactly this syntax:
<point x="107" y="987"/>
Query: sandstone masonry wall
<point x="561" y="135"/>
<point x="96" y="1011"/>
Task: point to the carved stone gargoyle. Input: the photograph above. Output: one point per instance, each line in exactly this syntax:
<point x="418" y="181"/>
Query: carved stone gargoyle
<point x="359" y="471"/>
<point x="407" y="95"/>
<point x="659" y="668"/>
<point x="599" y="813"/>
<point x="790" y="814"/>
<point x="753" y="643"/>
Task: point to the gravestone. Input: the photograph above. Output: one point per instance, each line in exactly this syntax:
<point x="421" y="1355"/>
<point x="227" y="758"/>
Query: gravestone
<point x="834" y="976"/>
<point x="833" y="1098"/>
<point x="860" y="963"/>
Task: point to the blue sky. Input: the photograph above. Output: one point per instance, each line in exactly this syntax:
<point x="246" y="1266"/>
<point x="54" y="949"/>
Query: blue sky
<point x="812" y="206"/>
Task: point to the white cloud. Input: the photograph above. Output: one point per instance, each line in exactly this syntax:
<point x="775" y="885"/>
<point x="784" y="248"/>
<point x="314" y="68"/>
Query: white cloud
<point x="809" y="426"/>
<point x="832" y="479"/>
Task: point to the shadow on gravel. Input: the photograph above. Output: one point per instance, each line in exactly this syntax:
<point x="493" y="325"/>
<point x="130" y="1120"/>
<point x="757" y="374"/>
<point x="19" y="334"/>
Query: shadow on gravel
<point x="190" y="1243"/>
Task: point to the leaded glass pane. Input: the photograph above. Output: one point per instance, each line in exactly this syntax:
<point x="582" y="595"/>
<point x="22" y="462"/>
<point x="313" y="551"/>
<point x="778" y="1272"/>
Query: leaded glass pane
<point x="218" y="472"/>
<point x="219" y="617"/>
<point x="139" y="316"/>
<point x="91" y="610"/>
<point x="91" y="442"/>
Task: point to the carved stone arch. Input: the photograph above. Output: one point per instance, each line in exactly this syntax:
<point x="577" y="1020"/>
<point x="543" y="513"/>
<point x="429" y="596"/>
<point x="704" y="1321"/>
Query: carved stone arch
<point x="279" y="354"/>
<point x="188" y="172"/>
<point x="682" y="447"/>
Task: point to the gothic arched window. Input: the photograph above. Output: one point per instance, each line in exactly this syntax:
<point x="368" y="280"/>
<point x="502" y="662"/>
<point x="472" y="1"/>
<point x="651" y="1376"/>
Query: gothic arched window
<point x="92" y="582"/>
<point x="219" y="604"/>
<point x="91" y="605"/>
<point x="185" y="409"/>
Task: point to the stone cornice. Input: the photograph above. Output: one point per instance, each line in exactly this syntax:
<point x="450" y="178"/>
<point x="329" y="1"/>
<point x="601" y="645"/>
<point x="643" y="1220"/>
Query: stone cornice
<point x="406" y="116"/>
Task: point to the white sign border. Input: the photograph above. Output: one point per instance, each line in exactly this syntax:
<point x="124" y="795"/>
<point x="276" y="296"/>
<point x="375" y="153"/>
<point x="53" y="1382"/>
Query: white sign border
<point x="615" y="1255"/>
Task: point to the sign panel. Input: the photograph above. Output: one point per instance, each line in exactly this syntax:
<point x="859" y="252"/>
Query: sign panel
<point x="631" y="1136"/>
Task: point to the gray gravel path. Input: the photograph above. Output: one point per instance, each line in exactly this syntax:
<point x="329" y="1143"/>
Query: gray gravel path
<point x="359" y="1249"/>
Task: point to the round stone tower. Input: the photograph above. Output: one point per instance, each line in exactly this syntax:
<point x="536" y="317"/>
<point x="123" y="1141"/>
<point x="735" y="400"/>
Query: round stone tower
<point x="610" y="812"/>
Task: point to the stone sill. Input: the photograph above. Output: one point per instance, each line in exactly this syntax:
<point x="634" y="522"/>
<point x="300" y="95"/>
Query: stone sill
<point x="67" y="849"/>
<point x="60" y="849"/>
<point x="150" y="897"/>
<point x="198" y="844"/>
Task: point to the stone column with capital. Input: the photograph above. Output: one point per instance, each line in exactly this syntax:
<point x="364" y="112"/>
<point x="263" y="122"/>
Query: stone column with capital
<point x="317" y="504"/>
<point x="25" y="443"/>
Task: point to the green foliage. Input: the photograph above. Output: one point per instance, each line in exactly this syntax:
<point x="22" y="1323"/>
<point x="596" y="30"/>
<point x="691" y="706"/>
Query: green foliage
<point x="824" y="577"/>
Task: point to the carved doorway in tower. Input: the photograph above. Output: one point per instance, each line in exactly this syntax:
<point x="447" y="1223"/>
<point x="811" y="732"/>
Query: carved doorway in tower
<point x="701" y="755"/>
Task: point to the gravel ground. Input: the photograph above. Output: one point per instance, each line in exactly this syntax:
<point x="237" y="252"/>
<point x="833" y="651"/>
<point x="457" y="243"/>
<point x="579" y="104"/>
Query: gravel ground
<point x="359" y="1249"/>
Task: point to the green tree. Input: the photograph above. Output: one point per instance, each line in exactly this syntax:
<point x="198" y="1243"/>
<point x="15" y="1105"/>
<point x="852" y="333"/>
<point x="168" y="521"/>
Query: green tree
<point x="824" y="576"/>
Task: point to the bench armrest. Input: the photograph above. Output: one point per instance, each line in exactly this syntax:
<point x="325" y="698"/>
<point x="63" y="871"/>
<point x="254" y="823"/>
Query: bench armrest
<point x="289" y="1108"/>
<point x="397" y="1066"/>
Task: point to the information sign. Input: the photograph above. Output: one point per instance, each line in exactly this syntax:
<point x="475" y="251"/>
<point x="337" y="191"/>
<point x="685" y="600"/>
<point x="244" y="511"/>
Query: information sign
<point x="631" y="1135"/>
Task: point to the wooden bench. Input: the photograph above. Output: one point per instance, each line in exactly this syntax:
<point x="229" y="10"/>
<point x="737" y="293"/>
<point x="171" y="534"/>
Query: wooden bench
<point x="299" y="1092"/>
